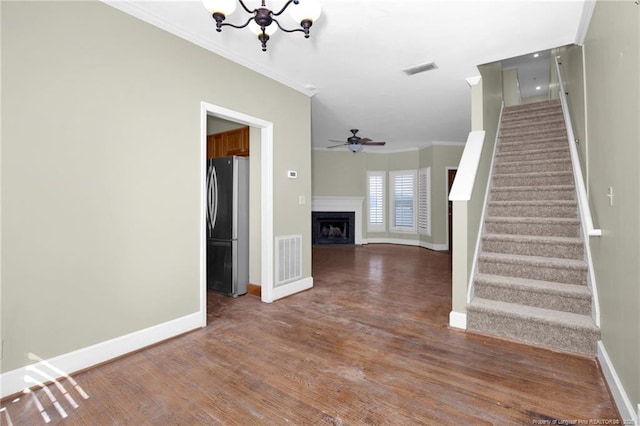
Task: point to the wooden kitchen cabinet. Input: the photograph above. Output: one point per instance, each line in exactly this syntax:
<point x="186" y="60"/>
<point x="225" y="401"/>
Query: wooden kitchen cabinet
<point x="232" y="142"/>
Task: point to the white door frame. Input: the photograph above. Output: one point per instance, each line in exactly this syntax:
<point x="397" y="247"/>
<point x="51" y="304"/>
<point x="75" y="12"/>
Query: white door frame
<point x="266" y="197"/>
<point x="446" y="191"/>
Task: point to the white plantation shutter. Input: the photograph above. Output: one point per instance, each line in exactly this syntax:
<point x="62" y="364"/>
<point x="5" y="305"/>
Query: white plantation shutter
<point x="424" y="201"/>
<point x="403" y="201"/>
<point x="375" y="201"/>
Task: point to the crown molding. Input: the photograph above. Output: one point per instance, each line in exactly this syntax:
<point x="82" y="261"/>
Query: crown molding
<point x="142" y="14"/>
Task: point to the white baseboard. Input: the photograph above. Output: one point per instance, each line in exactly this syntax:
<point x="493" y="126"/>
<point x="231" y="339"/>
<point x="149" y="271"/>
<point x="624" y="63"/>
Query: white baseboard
<point x="458" y="320"/>
<point x="291" y="288"/>
<point x="400" y="241"/>
<point x="432" y="246"/>
<point x="14" y="381"/>
<point x="625" y="407"/>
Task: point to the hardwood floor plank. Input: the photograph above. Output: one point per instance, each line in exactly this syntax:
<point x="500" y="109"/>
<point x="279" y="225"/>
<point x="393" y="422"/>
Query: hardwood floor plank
<point x="369" y="344"/>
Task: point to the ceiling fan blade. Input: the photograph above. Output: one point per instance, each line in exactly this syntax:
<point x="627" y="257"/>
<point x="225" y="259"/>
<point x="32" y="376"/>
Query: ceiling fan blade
<point x="373" y="143"/>
<point x="335" y="140"/>
<point x="364" y="140"/>
<point x="335" y="146"/>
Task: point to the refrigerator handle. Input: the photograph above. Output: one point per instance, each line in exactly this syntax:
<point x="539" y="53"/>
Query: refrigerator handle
<point x="212" y="198"/>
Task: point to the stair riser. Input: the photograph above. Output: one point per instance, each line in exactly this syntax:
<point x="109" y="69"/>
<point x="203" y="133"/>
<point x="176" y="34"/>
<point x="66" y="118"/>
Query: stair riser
<point x="511" y="120"/>
<point x="532" y="134"/>
<point x="523" y="195"/>
<point x="547" y="230"/>
<point x="527" y="126"/>
<point x="528" y="167"/>
<point x="534" y="248"/>
<point x="534" y="144"/>
<point x="534" y="332"/>
<point x="529" y="110"/>
<point x="541" y="273"/>
<point x="531" y="156"/>
<point x="501" y="180"/>
<point x="533" y="211"/>
<point x="521" y="296"/>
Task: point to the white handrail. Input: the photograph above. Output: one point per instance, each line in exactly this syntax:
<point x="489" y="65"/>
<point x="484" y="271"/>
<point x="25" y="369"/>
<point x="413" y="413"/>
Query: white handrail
<point x="583" y="201"/>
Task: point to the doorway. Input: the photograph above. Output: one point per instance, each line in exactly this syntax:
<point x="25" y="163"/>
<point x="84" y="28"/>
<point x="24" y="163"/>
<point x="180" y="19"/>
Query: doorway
<point x="261" y="134"/>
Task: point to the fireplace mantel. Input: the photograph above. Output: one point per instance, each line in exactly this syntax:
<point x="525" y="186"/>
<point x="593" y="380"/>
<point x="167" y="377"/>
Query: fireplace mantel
<point x="341" y="204"/>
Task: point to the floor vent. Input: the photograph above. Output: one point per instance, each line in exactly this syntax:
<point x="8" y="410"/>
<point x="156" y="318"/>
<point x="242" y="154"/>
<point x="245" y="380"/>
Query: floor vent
<point x="288" y="258"/>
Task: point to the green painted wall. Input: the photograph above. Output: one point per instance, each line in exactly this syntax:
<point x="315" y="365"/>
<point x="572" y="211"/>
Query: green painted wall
<point x="101" y="172"/>
<point x="612" y="70"/>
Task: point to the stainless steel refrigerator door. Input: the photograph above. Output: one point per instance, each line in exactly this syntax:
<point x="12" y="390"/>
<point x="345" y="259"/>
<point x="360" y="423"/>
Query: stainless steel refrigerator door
<point x="220" y="198"/>
<point x="221" y="275"/>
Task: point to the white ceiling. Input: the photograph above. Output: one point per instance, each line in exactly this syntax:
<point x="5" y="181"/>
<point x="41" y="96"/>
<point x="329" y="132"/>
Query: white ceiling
<point x="352" y="63"/>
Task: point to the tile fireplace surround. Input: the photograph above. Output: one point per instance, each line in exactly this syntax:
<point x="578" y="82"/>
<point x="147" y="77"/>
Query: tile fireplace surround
<point x="342" y="204"/>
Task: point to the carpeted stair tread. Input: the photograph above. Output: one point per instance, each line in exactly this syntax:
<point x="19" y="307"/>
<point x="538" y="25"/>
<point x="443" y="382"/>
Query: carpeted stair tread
<point x="541" y="116"/>
<point x="534" y="203"/>
<point x="531" y="292"/>
<point x="564" y="161"/>
<point x="564" y="331"/>
<point x="529" y="133"/>
<point x="532" y="208"/>
<point x="531" y="152"/>
<point x="540" y="315"/>
<point x="538" y="261"/>
<point x="533" y="166"/>
<point x="517" y="146"/>
<point x="534" y="220"/>
<point x="551" y="226"/>
<point x="533" y="239"/>
<point x="512" y="126"/>
<point x="530" y="175"/>
<point x="533" y="178"/>
<point x="569" y="188"/>
<point x="536" y="286"/>
<point x="532" y="108"/>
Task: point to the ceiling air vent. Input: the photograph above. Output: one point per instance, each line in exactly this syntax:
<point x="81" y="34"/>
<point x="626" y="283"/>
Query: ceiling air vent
<point x="416" y="69"/>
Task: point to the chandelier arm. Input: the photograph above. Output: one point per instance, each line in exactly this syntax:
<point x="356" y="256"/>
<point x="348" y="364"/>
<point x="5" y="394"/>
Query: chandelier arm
<point x="286" y="30"/>
<point x="226" y="24"/>
<point x="246" y="8"/>
<point x="281" y="10"/>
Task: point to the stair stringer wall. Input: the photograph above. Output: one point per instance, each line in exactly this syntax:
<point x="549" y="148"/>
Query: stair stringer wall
<point x="478" y="247"/>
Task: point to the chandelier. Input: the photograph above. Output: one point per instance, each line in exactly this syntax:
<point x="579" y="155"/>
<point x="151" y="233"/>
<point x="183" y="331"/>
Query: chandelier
<point x="262" y="20"/>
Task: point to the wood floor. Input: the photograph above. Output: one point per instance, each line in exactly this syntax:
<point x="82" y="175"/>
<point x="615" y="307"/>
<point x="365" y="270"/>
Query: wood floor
<point x="369" y="344"/>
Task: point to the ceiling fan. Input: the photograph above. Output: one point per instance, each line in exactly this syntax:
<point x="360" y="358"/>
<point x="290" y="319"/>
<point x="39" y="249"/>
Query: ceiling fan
<point x="355" y="143"/>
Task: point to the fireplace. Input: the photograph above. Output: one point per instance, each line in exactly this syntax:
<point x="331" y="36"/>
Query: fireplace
<point x="333" y="227"/>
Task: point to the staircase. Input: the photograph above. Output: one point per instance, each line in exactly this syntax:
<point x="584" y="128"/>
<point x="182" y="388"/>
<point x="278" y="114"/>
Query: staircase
<point x="531" y="284"/>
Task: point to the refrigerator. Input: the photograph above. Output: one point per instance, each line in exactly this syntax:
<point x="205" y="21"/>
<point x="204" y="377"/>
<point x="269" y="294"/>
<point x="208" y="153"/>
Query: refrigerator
<point x="227" y="220"/>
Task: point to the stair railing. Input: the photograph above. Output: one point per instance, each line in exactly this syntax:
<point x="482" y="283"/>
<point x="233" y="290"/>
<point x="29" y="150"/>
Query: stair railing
<point x="581" y="193"/>
<point x="583" y="201"/>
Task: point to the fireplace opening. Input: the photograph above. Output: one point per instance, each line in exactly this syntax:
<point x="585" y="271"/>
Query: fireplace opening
<point x="333" y="227"/>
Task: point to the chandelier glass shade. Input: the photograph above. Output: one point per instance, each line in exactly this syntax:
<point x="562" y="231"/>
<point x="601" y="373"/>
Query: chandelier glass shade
<point x="262" y="21"/>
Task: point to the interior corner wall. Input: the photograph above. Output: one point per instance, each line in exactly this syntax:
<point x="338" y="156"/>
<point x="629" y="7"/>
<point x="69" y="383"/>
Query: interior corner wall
<point x="612" y="67"/>
<point x="101" y="172"/>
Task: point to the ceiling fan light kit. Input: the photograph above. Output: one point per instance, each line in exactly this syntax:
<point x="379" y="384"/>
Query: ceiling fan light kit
<point x="262" y="21"/>
<point x="355" y="143"/>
